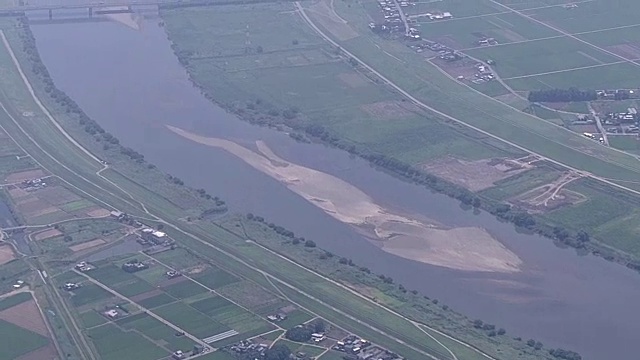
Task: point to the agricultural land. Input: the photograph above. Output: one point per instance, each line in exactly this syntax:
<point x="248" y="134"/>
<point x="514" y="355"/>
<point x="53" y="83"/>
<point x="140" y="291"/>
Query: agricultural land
<point x="451" y="110"/>
<point x="103" y="248"/>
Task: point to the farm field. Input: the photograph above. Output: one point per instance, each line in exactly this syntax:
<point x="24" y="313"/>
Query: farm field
<point x="331" y="99"/>
<point x="21" y="323"/>
<point x="233" y="254"/>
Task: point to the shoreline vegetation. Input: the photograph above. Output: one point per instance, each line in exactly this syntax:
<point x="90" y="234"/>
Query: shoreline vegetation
<point x="291" y="121"/>
<point x="486" y="337"/>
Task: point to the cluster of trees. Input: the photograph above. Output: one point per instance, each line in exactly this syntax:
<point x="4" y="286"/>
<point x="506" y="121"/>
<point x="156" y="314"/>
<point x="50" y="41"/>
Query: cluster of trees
<point x="302" y="333"/>
<point x="562" y="95"/>
<point x="534" y="344"/>
<point x="565" y="354"/>
<point x="489" y="328"/>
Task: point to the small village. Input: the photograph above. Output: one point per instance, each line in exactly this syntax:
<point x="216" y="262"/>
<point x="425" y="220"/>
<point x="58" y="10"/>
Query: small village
<point x="395" y="23"/>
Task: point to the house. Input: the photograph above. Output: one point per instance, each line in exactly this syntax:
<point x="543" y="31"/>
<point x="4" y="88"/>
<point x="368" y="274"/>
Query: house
<point x="116" y="214"/>
<point x="113" y="313"/>
<point x="83" y="266"/>
<point x="172" y="274"/>
<point x="133" y="266"/>
<point x="70" y="286"/>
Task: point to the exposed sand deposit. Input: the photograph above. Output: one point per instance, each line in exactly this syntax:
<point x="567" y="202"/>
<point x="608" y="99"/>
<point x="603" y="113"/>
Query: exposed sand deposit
<point x="471" y="249"/>
<point x="131" y="20"/>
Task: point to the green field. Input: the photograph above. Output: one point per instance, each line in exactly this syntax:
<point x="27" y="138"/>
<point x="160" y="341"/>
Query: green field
<point x="184" y="289"/>
<point x="91" y="318"/>
<point x="214" y="278"/>
<point x="295" y="318"/>
<point x="505" y="28"/>
<point x="10" y="164"/>
<point x="133" y="287"/>
<point x="190" y="319"/>
<point x="89" y="293"/>
<point x="12" y="335"/>
<point x="340" y="99"/>
<point x="231" y="253"/>
<point x="156" y="301"/>
<point x="115" y="344"/>
<point x="625" y="142"/>
<point x="541" y="56"/>
<point x="14" y="300"/>
<point x="158" y="331"/>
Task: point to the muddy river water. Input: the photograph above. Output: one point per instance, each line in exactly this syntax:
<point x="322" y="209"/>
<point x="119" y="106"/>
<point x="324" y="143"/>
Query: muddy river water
<point x="132" y="84"/>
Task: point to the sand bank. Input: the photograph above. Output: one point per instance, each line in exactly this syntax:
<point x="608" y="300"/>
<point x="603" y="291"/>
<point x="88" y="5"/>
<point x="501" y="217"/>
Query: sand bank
<point x="471" y="249"/>
<point x="128" y="19"/>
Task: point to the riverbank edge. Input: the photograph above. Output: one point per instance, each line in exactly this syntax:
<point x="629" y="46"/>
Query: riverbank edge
<point x="520" y="218"/>
<point x="87" y="138"/>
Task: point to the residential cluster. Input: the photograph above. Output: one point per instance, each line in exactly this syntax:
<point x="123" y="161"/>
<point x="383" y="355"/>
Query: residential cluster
<point x="249" y="349"/>
<point x="84" y="266"/>
<point x="70" y="286"/>
<point x="483" y="74"/>
<point x="134" y="265"/>
<point x="150" y="236"/>
<point x="618" y="94"/>
<point x="360" y="349"/>
<point x="33" y="184"/>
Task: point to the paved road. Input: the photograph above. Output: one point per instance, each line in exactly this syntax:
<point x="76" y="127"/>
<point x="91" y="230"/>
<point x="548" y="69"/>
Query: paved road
<point x="601" y="129"/>
<point x="447" y="116"/>
<point x="403" y="16"/>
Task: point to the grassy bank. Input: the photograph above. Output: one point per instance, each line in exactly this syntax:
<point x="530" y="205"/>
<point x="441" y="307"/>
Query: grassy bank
<point x="117" y="187"/>
<point x="297" y="81"/>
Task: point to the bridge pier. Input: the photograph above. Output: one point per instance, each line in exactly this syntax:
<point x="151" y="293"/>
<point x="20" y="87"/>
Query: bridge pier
<point x="50" y="14"/>
<point x="90" y="12"/>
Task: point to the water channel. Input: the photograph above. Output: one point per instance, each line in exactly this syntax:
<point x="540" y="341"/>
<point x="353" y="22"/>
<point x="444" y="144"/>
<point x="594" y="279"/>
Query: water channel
<point x="131" y="83"/>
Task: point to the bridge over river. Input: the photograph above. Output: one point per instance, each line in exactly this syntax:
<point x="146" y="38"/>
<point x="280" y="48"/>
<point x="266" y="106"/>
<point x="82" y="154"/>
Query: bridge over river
<point x="12" y="7"/>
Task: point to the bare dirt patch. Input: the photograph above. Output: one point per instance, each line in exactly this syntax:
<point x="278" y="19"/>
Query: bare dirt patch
<point x="550" y="196"/>
<point x="87" y="245"/>
<point x="26" y="315"/>
<point x="353" y="80"/>
<point x="25" y="175"/>
<point x="147" y="295"/>
<point x="43" y="353"/>
<point x="97" y="212"/>
<point x="47" y="234"/>
<point x="6" y="254"/>
<point x="510" y="35"/>
<point x="330" y="20"/>
<point x="475" y="175"/>
<point x="197" y="269"/>
<point x="389" y="109"/>
<point x="628" y="51"/>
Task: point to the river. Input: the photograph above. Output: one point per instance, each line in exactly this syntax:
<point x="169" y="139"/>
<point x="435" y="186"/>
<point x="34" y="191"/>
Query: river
<point x="131" y="83"/>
